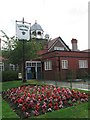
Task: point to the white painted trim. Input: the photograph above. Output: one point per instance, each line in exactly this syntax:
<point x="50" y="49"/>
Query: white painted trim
<point x="33" y="61"/>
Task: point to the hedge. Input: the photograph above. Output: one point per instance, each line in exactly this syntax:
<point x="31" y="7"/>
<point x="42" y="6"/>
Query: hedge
<point x="9" y="76"/>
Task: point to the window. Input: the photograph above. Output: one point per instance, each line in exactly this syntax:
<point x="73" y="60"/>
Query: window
<point x="12" y="67"/>
<point x="39" y="33"/>
<point x="17" y="67"/>
<point x="33" y="64"/>
<point x="38" y="64"/>
<point x="34" y="33"/>
<point x="28" y="64"/>
<point x="1" y="66"/>
<point x="48" y="65"/>
<point x="64" y="64"/>
<point x="58" y="48"/>
<point x="83" y="64"/>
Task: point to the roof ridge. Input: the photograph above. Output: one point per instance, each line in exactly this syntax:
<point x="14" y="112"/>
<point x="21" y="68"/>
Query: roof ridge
<point x="55" y="39"/>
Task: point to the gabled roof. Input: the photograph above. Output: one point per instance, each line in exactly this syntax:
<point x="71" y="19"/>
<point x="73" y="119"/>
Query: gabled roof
<point x="54" y="41"/>
<point x="51" y="44"/>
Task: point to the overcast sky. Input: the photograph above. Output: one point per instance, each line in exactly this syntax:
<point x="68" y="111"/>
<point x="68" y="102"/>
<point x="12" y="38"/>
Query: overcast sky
<point x="65" y="18"/>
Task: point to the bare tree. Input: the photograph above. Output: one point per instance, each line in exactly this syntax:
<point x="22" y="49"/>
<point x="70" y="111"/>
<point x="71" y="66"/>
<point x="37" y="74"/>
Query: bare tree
<point x="9" y="42"/>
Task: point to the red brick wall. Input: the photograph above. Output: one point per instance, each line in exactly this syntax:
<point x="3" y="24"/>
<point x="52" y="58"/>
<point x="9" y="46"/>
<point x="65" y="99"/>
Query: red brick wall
<point x="57" y="73"/>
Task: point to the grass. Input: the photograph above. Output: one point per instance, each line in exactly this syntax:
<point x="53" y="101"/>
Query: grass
<point x="7" y="112"/>
<point x="79" y="111"/>
<point x="13" y="84"/>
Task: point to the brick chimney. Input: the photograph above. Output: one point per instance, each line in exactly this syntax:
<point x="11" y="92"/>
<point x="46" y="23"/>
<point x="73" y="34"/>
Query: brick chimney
<point x="74" y="44"/>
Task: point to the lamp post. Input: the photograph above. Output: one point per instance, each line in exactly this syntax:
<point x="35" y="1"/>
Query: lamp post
<point x="22" y="30"/>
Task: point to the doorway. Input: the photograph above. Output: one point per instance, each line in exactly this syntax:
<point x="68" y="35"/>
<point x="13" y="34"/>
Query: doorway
<point x="33" y="70"/>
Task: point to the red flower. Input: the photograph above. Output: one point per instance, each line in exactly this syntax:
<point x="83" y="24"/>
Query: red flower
<point x="23" y="108"/>
<point x="20" y="100"/>
<point x="44" y="106"/>
<point x="29" y="95"/>
<point x="50" y="105"/>
<point x="37" y="107"/>
<point x="36" y="113"/>
<point x="56" y="107"/>
<point x="44" y="111"/>
<point x="42" y="98"/>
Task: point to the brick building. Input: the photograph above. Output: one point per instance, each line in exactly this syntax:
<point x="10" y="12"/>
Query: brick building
<point x="59" y="62"/>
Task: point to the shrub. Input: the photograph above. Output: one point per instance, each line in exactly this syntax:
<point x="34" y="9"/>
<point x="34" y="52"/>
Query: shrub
<point x="9" y="76"/>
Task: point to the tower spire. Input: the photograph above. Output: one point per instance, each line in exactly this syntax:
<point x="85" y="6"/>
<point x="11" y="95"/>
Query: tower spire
<point x="35" y="21"/>
<point x="23" y="20"/>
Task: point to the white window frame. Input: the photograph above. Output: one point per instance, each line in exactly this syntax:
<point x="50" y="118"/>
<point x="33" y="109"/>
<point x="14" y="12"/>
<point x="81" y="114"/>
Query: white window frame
<point x="58" y="48"/>
<point x="83" y="63"/>
<point x="64" y="64"/>
<point x="12" y="67"/>
<point x="1" y="66"/>
<point x="48" y="65"/>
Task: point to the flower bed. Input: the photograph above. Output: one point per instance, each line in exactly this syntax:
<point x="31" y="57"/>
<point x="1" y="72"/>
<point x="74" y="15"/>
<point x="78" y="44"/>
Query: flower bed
<point x="33" y="100"/>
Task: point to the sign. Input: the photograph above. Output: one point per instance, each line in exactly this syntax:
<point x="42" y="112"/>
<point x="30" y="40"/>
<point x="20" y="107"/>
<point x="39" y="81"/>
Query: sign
<point x="23" y="31"/>
<point x="20" y="75"/>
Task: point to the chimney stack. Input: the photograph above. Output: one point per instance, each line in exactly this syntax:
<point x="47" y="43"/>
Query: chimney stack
<point x="74" y="44"/>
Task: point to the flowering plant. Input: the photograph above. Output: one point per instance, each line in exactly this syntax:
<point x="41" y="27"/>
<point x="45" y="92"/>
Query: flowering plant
<point x="33" y="100"/>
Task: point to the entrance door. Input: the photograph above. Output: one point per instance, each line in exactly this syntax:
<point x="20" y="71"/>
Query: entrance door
<point x="39" y="73"/>
<point x="29" y="73"/>
<point x="33" y="72"/>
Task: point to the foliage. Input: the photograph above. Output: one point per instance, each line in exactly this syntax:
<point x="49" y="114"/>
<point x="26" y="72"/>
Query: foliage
<point x="13" y="51"/>
<point x="30" y="52"/>
<point x="9" y="42"/>
<point x="9" y="75"/>
<point x="82" y="73"/>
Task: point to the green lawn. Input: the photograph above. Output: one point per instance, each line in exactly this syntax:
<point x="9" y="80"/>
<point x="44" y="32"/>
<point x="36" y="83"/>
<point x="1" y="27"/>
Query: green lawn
<point x="12" y="84"/>
<point x="79" y="111"/>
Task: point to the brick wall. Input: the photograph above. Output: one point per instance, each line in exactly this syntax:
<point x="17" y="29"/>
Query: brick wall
<point x="57" y="73"/>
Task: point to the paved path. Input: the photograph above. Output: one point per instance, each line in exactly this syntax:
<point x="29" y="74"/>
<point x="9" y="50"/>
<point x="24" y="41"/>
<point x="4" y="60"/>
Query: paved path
<point x="78" y="85"/>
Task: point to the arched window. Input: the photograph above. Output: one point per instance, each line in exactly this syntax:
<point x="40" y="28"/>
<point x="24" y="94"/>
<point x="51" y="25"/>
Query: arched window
<point x="39" y="33"/>
<point x="34" y="33"/>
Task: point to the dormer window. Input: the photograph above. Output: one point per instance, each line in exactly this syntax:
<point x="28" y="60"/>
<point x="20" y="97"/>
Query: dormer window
<point x="58" y="48"/>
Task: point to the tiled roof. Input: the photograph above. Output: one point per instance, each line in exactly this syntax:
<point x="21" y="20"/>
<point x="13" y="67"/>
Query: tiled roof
<point x="42" y="52"/>
<point x="50" y="43"/>
<point x="87" y="50"/>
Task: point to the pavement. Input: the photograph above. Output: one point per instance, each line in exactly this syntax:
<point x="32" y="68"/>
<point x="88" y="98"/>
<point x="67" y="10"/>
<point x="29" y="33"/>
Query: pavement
<point x="75" y="85"/>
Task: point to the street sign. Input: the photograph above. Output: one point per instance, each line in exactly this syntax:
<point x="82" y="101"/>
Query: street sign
<point x="22" y="31"/>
